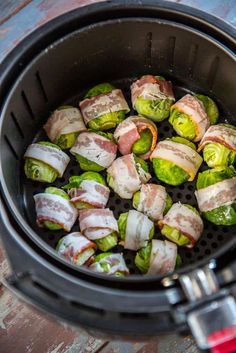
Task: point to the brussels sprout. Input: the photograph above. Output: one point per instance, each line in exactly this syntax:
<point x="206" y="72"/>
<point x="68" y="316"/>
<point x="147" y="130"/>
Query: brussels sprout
<point x="136" y="200"/>
<point x="223" y="215"/>
<point x="210" y="108"/>
<point x="88" y="165"/>
<point x="182" y="124"/>
<point x="107" y="121"/>
<point x="76" y="180"/>
<point x="122" y="222"/>
<point x="102" y="88"/>
<point x="167" y="171"/>
<point x="81" y="258"/>
<point x="142" y="259"/>
<point x="106" y="267"/>
<point x="141" y="165"/>
<point x="55" y="191"/>
<point x="156" y="110"/>
<point x="66" y="141"/>
<point x="174" y="234"/>
<point x="108" y="242"/>
<point x="40" y="171"/>
<point x="143" y="145"/>
<point x="215" y="154"/>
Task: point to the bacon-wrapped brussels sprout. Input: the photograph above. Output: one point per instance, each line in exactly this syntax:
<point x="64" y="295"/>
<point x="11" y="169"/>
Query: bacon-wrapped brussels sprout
<point x="64" y="125"/>
<point x="54" y="210"/>
<point x="94" y="151"/>
<point x="192" y="115"/>
<point x="182" y="224"/>
<point x="175" y="161"/>
<point x="152" y="97"/>
<point x="135" y="229"/>
<point x="104" y="107"/>
<point x="76" y="248"/>
<point x="100" y="226"/>
<point x="45" y="162"/>
<point x="158" y="258"/>
<point x="219" y="145"/>
<point x="216" y="195"/>
<point x="126" y="175"/>
<point x="138" y="135"/>
<point x="110" y="264"/>
<point x="88" y="190"/>
<point x="153" y="201"/>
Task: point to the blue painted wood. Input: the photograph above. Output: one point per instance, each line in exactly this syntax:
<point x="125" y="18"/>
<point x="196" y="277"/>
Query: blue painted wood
<point x="39" y="12"/>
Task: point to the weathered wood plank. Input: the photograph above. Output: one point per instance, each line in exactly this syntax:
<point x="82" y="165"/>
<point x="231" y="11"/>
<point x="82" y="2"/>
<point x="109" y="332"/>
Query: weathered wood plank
<point x="25" y="329"/>
<point x="10" y="7"/>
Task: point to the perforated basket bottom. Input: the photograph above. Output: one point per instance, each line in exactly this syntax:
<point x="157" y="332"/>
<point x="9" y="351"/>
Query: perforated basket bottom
<point x="212" y="238"/>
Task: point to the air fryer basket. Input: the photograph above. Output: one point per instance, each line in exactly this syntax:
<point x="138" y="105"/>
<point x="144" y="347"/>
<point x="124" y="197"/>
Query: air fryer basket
<point x="115" y="43"/>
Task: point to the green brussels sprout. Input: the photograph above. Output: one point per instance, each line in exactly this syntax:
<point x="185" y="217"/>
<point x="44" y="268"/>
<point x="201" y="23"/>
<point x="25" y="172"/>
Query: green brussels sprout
<point x="223" y="215"/>
<point x="143" y="145"/>
<point x="210" y="108"/>
<point x="215" y="155"/>
<point x="106" y="266"/>
<point x="140" y="165"/>
<point x="66" y="141"/>
<point x="75" y="181"/>
<point x="108" y="242"/>
<point x="156" y="110"/>
<point x="185" y="126"/>
<point x="182" y="124"/>
<point x="174" y="234"/>
<point x="142" y="259"/>
<point x="122" y="222"/>
<point x="107" y="121"/>
<point x="81" y="258"/>
<point x="88" y="165"/>
<point x="54" y="191"/>
<point x="167" y="171"/>
<point x="136" y="200"/>
<point x="102" y="88"/>
<point x="40" y="171"/>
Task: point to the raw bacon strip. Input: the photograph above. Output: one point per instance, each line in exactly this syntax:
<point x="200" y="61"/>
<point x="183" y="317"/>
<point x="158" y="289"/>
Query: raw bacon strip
<point x="54" y="208"/>
<point x="152" y="201"/>
<point x="151" y="88"/>
<point x="219" y="194"/>
<point x="52" y="156"/>
<point x="90" y="192"/>
<point x="125" y="176"/>
<point x="101" y="104"/>
<point x="116" y="262"/>
<point x="128" y="132"/>
<point x="95" y="223"/>
<point x="185" y="220"/>
<point x="163" y="257"/>
<point x="73" y="245"/>
<point x="95" y="148"/>
<point x="220" y="134"/>
<point x="138" y="228"/>
<point x="193" y="107"/>
<point x="64" y="121"/>
<point x="181" y="155"/>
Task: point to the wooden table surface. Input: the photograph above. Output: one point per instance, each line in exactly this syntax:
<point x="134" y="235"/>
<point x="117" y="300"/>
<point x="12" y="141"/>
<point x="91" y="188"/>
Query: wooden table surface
<point x="23" y="329"/>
